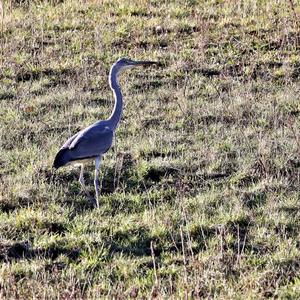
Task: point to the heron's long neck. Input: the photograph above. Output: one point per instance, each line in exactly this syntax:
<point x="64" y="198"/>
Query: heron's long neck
<point x="117" y="110"/>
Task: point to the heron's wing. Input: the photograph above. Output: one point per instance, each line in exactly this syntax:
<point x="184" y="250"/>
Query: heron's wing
<point x="92" y="141"/>
<point x="69" y="141"/>
<point x="87" y="143"/>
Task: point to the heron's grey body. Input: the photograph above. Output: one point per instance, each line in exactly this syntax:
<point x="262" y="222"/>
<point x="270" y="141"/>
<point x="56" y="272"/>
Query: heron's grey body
<point x="92" y="142"/>
<point x="87" y="144"/>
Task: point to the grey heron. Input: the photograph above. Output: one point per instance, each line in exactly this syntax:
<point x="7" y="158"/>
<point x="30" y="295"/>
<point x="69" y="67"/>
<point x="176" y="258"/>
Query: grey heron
<point x="92" y="142"/>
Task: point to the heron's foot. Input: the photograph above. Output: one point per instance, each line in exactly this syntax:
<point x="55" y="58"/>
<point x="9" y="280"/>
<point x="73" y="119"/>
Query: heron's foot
<point x="97" y="202"/>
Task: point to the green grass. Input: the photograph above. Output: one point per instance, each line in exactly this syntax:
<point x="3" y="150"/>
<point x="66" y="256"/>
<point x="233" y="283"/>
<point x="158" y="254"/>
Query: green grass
<point x="200" y="192"/>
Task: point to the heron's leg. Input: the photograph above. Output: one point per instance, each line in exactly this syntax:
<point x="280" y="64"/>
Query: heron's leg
<point x="82" y="181"/>
<point x="81" y="178"/>
<point x="96" y="180"/>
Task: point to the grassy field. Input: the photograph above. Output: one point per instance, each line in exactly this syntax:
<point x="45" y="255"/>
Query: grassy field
<point x="200" y="195"/>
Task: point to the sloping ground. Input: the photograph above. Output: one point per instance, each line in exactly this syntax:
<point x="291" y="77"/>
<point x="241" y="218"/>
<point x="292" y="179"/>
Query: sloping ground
<point x="200" y="193"/>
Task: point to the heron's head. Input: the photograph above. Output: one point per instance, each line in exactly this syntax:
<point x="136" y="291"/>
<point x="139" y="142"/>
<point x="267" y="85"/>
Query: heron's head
<point x="126" y="63"/>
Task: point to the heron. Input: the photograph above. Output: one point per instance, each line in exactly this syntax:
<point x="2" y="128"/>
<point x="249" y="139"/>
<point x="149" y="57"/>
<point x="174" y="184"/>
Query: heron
<point x="92" y="142"/>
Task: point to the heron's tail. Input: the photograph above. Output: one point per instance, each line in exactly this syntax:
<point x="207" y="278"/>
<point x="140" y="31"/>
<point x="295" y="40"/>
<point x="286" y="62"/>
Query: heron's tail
<point x="61" y="158"/>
